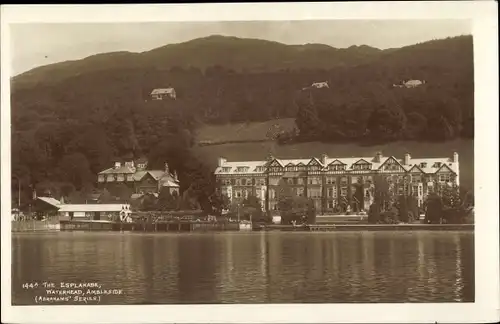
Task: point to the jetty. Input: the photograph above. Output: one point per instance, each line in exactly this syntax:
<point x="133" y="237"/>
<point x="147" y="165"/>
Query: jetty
<point x="367" y="227"/>
<point x="144" y="226"/>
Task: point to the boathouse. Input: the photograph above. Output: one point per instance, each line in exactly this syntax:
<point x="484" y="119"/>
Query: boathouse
<point x="94" y="211"/>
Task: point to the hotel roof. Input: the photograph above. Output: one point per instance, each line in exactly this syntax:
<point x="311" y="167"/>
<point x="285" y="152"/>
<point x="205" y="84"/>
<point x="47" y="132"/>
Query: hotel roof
<point x="427" y="165"/>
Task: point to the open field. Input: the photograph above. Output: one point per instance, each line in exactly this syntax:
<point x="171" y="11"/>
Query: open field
<point x="243" y="132"/>
<point x="259" y="151"/>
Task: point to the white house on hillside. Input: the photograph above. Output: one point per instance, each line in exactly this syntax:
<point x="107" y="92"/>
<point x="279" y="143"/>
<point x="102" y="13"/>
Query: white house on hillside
<point x="165" y="93"/>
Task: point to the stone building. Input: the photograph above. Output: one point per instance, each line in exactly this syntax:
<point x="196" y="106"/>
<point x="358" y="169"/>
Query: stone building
<point x="136" y="176"/>
<point x="336" y="184"/>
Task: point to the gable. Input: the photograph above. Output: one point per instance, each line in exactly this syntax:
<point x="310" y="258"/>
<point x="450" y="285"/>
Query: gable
<point x="362" y="161"/>
<point x="314" y="161"/>
<point x="337" y="162"/>
<point x="148" y="178"/>
<point x="275" y="163"/>
<point x="391" y="164"/>
<point x="445" y="169"/>
<point x="416" y="169"/>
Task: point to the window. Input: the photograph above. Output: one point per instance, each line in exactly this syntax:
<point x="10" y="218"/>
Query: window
<point x="243" y="182"/>
<point x="245" y="193"/>
<point x="300" y="192"/>
<point x="274" y="181"/>
<point x="242" y="169"/>
<point x="314" y="192"/>
<point x="343" y="181"/>
<point x="226" y="169"/>
<point x="437" y="165"/>
<point x="314" y="168"/>
<point x="337" y="167"/>
<point x="100" y="178"/>
<point x="331" y="180"/>
<point x="446" y="177"/>
<point x="355" y="179"/>
<point x="331" y="204"/>
<point x="343" y="191"/>
<point x="423" y="165"/>
<point x="237" y="182"/>
<point x="314" y="180"/>
<point x="416" y="178"/>
<point x="361" y="166"/>
<point x="237" y="193"/>
<point x="259" y="169"/>
<point x="289" y="181"/>
<point x="300" y="181"/>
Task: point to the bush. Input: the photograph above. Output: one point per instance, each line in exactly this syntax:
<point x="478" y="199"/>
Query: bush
<point x="374" y="214"/>
<point x="389" y="217"/>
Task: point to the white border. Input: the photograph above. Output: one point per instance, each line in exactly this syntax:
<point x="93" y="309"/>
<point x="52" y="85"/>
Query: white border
<point x="486" y="308"/>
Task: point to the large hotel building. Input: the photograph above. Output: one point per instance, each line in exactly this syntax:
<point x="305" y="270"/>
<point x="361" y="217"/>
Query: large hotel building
<point x="336" y="184"/>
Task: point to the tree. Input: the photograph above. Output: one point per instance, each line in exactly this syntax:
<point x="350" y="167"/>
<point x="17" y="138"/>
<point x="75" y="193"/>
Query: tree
<point x="253" y="207"/>
<point x="434" y="210"/>
<point x="148" y="203"/>
<point x="106" y="197"/>
<point x="166" y="201"/>
<point x="413" y="209"/>
<point x="403" y="210"/>
<point x="219" y="202"/>
<point x="374" y="213"/>
<point x="386" y="124"/>
<point x="382" y="195"/>
<point x="76" y="169"/>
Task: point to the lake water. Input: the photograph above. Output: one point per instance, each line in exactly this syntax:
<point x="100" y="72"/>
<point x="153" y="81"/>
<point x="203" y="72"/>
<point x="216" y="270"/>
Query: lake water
<point x="257" y="267"/>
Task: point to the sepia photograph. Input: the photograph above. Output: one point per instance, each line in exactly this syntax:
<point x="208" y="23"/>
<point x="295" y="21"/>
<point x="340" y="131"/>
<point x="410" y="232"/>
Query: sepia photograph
<point x="245" y="162"/>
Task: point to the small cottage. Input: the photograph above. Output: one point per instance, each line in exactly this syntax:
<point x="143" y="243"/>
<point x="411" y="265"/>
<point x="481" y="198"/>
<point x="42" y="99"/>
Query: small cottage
<point x="165" y="93"/>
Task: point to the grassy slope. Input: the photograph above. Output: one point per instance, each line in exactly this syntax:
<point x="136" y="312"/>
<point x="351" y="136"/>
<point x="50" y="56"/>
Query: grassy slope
<point x="258" y="151"/>
<point x="243" y="131"/>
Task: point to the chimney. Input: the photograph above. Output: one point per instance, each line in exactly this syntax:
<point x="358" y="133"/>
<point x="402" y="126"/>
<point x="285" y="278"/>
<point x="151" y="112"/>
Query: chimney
<point x="175" y="176"/>
<point x="118" y="165"/>
<point x="378" y="157"/>
<point x="455" y="157"/>
<point x="270" y="157"/>
<point x="324" y="157"/>
<point x="167" y="170"/>
<point x="407" y="159"/>
<point x="221" y="161"/>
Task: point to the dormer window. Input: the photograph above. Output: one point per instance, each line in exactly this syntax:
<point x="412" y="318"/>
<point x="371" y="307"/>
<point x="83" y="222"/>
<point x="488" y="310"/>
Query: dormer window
<point x="437" y="164"/>
<point x="226" y="169"/>
<point x="423" y="165"/>
<point x="242" y="169"/>
<point x="337" y="167"/>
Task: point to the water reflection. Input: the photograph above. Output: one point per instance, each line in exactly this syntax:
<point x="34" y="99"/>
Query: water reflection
<point x="253" y="267"/>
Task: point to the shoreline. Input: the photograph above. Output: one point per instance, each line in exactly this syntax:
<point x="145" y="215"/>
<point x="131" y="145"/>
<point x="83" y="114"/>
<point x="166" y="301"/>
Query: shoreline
<point x="91" y="226"/>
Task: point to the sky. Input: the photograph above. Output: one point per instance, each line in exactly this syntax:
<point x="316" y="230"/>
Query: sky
<point x="33" y="45"/>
